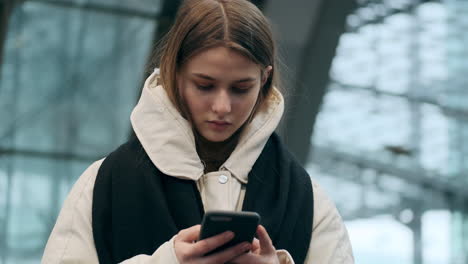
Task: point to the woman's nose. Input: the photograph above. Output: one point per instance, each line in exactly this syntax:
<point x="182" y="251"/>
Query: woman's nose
<point x="222" y="103"/>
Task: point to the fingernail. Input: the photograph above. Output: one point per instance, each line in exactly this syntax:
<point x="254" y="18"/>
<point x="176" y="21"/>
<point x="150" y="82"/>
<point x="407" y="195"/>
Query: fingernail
<point x="229" y="234"/>
<point x="246" y="246"/>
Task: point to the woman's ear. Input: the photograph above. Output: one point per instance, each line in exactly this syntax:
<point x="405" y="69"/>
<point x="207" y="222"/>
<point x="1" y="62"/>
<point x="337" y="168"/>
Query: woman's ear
<point x="266" y="73"/>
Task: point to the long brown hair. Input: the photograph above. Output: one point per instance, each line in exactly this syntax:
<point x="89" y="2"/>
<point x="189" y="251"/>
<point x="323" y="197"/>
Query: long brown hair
<point x="202" y="24"/>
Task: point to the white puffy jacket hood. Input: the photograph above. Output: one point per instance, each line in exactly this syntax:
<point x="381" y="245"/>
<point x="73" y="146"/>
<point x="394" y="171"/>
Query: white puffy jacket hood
<point x="169" y="141"/>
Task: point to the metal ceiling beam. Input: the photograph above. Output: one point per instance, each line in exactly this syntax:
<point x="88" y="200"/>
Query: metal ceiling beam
<point x="418" y="176"/>
<point x="51" y="155"/>
<point x="101" y="8"/>
<point x="421" y="98"/>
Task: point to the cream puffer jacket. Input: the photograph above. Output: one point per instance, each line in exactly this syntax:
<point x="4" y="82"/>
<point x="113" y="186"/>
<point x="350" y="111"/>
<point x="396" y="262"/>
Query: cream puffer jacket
<point x="71" y="240"/>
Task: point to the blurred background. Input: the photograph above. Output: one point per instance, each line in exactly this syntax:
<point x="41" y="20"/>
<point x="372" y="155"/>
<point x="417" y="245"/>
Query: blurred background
<point x="377" y="111"/>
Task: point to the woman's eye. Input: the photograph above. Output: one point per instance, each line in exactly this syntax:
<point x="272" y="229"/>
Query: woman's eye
<point x="204" y="87"/>
<point x="240" y="90"/>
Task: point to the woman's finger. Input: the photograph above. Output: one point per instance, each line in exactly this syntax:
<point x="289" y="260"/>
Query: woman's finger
<point x="255" y="245"/>
<point x="245" y="258"/>
<point x="229" y="254"/>
<point x="190" y="234"/>
<point x="266" y="245"/>
<point x="208" y="244"/>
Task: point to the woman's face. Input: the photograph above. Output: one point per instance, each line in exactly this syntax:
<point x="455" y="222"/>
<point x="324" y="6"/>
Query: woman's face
<point x="220" y="87"/>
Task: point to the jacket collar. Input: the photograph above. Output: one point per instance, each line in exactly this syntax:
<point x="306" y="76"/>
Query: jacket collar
<point x="170" y="144"/>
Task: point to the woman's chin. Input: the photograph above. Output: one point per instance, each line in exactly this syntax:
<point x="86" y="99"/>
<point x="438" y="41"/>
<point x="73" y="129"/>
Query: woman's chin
<point x="217" y="137"/>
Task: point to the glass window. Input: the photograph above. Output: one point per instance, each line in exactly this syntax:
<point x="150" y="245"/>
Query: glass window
<point x="390" y="143"/>
<point x="69" y="81"/>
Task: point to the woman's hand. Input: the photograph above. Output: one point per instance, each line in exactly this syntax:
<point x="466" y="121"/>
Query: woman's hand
<point x="263" y="251"/>
<point x="188" y="251"/>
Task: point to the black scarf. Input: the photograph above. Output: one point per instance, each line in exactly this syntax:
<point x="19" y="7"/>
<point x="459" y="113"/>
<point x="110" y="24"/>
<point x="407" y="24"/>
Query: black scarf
<point x="136" y="208"/>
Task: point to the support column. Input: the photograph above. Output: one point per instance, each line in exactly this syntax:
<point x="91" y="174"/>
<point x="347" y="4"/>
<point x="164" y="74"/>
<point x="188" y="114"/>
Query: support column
<point x="416" y="228"/>
<point x="315" y="50"/>
<point x="6" y="7"/>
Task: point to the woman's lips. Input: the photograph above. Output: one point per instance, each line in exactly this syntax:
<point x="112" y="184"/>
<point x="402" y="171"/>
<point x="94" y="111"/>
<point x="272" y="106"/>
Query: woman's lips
<point x="219" y="125"/>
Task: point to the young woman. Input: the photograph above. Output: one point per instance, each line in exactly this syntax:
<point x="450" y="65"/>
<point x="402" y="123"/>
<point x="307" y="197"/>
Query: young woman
<point x="204" y="140"/>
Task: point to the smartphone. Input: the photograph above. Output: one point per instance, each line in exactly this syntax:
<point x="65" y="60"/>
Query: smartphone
<point x="243" y="224"/>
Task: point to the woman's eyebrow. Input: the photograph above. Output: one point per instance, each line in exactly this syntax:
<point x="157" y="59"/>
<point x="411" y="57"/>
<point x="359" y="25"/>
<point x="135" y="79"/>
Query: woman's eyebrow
<point x="203" y="76"/>
<point x="249" y="79"/>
